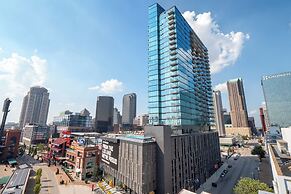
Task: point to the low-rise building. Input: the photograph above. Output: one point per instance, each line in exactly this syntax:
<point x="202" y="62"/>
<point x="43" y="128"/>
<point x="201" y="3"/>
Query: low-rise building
<point x="9" y="149"/>
<point x="82" y="158"/>
<point x="160" y="161"/>
<point x="281" y="168"/>
<point x="35" y="134"/>
<point x="130" y="160"/>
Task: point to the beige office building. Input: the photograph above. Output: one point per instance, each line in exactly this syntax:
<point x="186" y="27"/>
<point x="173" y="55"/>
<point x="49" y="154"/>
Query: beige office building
<point x="238" y="107"/>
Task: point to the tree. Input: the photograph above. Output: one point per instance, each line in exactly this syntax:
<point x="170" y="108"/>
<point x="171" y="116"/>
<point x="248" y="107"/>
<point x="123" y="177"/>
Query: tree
<point x="37" y="180"/>
<point x="37" y="188"/>
<point x="258" y="150"/>
<point x="40" y="147"/>
<point x="250" y="186"/>
<point x="39" y="172"/>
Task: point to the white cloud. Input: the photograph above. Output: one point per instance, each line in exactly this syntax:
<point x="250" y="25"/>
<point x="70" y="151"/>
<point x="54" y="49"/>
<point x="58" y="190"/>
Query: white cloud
<point x="221" y="87"/>
<point x="224" y="49"/>
<point x="109" y="87"/>
<point x="18" y="73"/>
<point x="253" y="112"/>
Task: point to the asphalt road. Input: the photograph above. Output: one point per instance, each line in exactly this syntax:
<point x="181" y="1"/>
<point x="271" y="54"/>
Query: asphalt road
<point x="245" y="166"/>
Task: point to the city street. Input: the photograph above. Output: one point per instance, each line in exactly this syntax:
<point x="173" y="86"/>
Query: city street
<point x="245" y="166"/>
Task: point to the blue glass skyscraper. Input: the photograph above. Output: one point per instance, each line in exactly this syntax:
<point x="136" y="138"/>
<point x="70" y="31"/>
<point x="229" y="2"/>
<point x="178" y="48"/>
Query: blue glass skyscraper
<point x="277" y="93"/>
<point x="179" y="83"/>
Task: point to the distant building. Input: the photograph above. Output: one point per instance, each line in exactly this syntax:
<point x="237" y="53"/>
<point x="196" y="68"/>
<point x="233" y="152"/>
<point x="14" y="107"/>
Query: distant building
<point x="128" y="109"/>
<point x="81" y="120"/>
<point x="117" y="119"/>
<point x="238" y="108"/>
<point x="11" y="138"/>
<point x="226" y="117"/>
<point x="35" y="107"/>
<point x="104" y="113"/>
<point x="263" y="120"/>
<point x="252" y="124"/>
<point x="277" y="95"/>
<point x="143" y="120"/>
<point x="35" y="134"/>
<point x="218" y="113"/>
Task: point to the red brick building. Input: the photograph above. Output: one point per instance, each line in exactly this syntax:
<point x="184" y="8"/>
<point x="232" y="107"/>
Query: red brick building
<point x="10" y="147"/>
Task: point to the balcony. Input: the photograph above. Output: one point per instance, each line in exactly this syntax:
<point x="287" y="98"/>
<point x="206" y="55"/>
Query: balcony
<point x="173" y="42"/>
<point x="173" y="37"/>
<point x="171" y="27"/>
<point x="172" y="33"/>
<point x="171" y="12"/>
<point x="174" y="86"/>
<point x="174" y="74"/>
<point x="170" y="17"/>
<point x="173" y="47"/>
<point x="173" y="52"/>
<point x="171" y="22"/>
<point x="174" y="69"/>
<point x="173" y="63"/>
<point x="174" y="80"/>
<point x="173" y="58"/>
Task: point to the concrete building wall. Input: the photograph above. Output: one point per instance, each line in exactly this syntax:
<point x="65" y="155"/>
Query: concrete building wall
<point x="286" y="135"/>
<point x="238" y="131"/>
<point x="191" y="158"/>
<point x="136" y="165"/>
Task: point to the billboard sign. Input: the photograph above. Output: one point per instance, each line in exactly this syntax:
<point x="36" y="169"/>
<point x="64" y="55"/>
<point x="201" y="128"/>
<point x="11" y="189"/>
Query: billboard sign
<point x="110" y="152"/>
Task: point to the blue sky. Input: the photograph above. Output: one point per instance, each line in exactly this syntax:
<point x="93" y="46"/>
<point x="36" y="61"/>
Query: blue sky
<point x="82" y="49"/>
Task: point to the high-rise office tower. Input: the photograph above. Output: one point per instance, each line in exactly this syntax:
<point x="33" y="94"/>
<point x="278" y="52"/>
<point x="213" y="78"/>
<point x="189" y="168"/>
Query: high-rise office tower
<point x="128" y="109"/>
<point x="116" y="117"/>
<point x="238" y="107"/>
<point x="104" y="113"/>
<point x="35" y="107"/>
<point x="277" y="95"/>
<point x="218" y="110"/>
<point x="179" y="84"/>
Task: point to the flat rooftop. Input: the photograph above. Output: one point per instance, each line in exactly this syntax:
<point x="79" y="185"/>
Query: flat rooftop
<point x="17" y="182"/>
<point x="130" y="137"/>
<point x="282" y="161"/>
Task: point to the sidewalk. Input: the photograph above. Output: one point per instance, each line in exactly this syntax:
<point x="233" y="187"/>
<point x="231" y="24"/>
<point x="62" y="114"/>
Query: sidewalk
<point x="265" y="174"/>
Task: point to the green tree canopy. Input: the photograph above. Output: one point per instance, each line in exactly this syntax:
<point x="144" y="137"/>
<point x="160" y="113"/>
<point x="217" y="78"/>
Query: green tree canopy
<point x="39" y="172"/>
<point x="250" y="186"/>
<point x="258" y="150"/>
<point x="37" y="188"/>
<point x="37" y="180"/>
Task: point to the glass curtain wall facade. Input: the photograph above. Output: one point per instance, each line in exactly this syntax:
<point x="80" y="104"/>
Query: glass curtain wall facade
<point x="277" y="93"/>
<point x="179" y="83"/>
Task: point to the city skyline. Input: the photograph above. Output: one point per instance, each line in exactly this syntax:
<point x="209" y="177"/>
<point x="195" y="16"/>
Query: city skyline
<point x="41" y="53"/>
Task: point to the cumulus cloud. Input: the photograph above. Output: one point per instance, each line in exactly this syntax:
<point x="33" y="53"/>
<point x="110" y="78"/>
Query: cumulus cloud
<point x="224" y="48"/>
<point x="18" y="73"/>
<point x="221" y="87"/>
<point x="109" y="86"/>
<point x="253" y="112"/>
